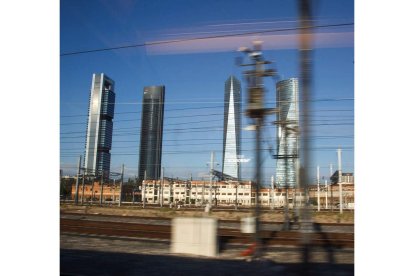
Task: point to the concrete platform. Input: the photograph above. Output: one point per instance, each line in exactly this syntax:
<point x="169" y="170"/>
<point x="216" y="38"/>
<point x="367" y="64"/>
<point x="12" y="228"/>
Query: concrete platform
<point x="85" y="262"/>
<point x="102" y="255"/>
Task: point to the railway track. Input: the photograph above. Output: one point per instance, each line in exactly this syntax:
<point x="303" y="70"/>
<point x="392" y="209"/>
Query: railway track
<point x="226" y="236"/>
<point x="240" y="209"/>
<point x="98" y="215"/>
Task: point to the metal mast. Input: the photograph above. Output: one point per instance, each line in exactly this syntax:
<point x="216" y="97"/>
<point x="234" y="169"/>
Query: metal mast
<point x="256" y="111"/>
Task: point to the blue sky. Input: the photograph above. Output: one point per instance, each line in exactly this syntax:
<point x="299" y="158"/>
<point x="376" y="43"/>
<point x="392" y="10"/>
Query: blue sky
<point x="194" y="75"/>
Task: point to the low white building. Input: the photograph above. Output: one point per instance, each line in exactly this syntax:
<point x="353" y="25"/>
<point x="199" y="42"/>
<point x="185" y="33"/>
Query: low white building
<point x="226" y="193"/>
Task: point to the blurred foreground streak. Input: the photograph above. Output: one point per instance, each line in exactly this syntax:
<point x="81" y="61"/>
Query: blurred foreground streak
<point x="226" y="44"/>
<point x="305" y="52"/>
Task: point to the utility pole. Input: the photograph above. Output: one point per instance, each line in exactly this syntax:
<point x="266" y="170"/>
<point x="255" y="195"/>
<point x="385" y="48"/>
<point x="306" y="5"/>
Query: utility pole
<point x="120" y="185"/>
<point x="171" y="195"/>
<point x="155" y="191"/>
<point x="211" y="178"/>
<point x="102" y="184"/>
<point x="203" y="189"/>
<point x="162" y="187"/>
<point x="340" y="179"/>
<point x="286" y="224"/>
<point x="319" y="198"/>
<point x="256" y="111"/>
<point x="330" y="185"/>
<point x="237" y="185"/>
<point x="113" y="192"/>
<point x="143" y="189"/>
<point x="272" y="181"/>
<point x="326" y="194"/>
<point x="77" y="180"/>
<point x="92" y="189"/>
<point x="83" y="186"/>
<point x="191" y="189"/>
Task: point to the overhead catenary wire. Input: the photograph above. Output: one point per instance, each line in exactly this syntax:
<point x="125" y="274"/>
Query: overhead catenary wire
<point x="189" y="130"/>
<point x="193" y="152"/>
<point x="219" y="139"/>
<point x="124" y="129"/>
<point x="77" y="149"/>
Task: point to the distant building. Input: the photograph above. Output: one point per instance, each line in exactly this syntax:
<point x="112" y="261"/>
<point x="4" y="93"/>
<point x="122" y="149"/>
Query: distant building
<point x="223" y="193"/>
<point x="99" y="129"/>
<point x="150" y="150"/>
<point x="287" y="92"/>
<point x="345" y="177"/>
<point x="231" y="129"/>
<point x="91" y="192"/>
<point x="197" y="192"/>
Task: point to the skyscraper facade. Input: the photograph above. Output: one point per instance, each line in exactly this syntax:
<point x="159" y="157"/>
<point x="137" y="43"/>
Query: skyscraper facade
<point x="287" y="93"/>
<point x="150" y="150"/>
<point x="231" y="129"/>
<point x="99" y="130"/>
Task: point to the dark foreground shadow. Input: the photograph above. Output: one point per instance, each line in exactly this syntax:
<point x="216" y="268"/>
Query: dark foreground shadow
<point x="83" y="262"/>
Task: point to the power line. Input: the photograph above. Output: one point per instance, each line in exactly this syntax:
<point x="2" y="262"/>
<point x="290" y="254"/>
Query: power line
<point x="138" y="112"/>
<point x="206" y="151"/>
<point x="213" y="139"/>
<point x="123" y="129"/>
<point x="193" y="130"/>
<point x="168" y="145"/>
<point x="201" y="38"/>
<point x="196" y="108"/>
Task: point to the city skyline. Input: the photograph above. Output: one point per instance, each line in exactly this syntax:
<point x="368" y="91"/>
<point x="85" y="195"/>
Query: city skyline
<point x="194" y="75"/>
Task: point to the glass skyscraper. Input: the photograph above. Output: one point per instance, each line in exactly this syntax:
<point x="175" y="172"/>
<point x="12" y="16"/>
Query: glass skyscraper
<point x="99" y="129"/>
<point x="231" y="129"/>
<point x="287" y="93"/>
<point x="152" y="117"/>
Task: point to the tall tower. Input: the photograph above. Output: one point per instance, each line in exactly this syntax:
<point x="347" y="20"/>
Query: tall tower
<point x="99" y="129"/>
<point x="152" y="118"/>
<point x="287" y="93"/>
<point x="232" y="124"/>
